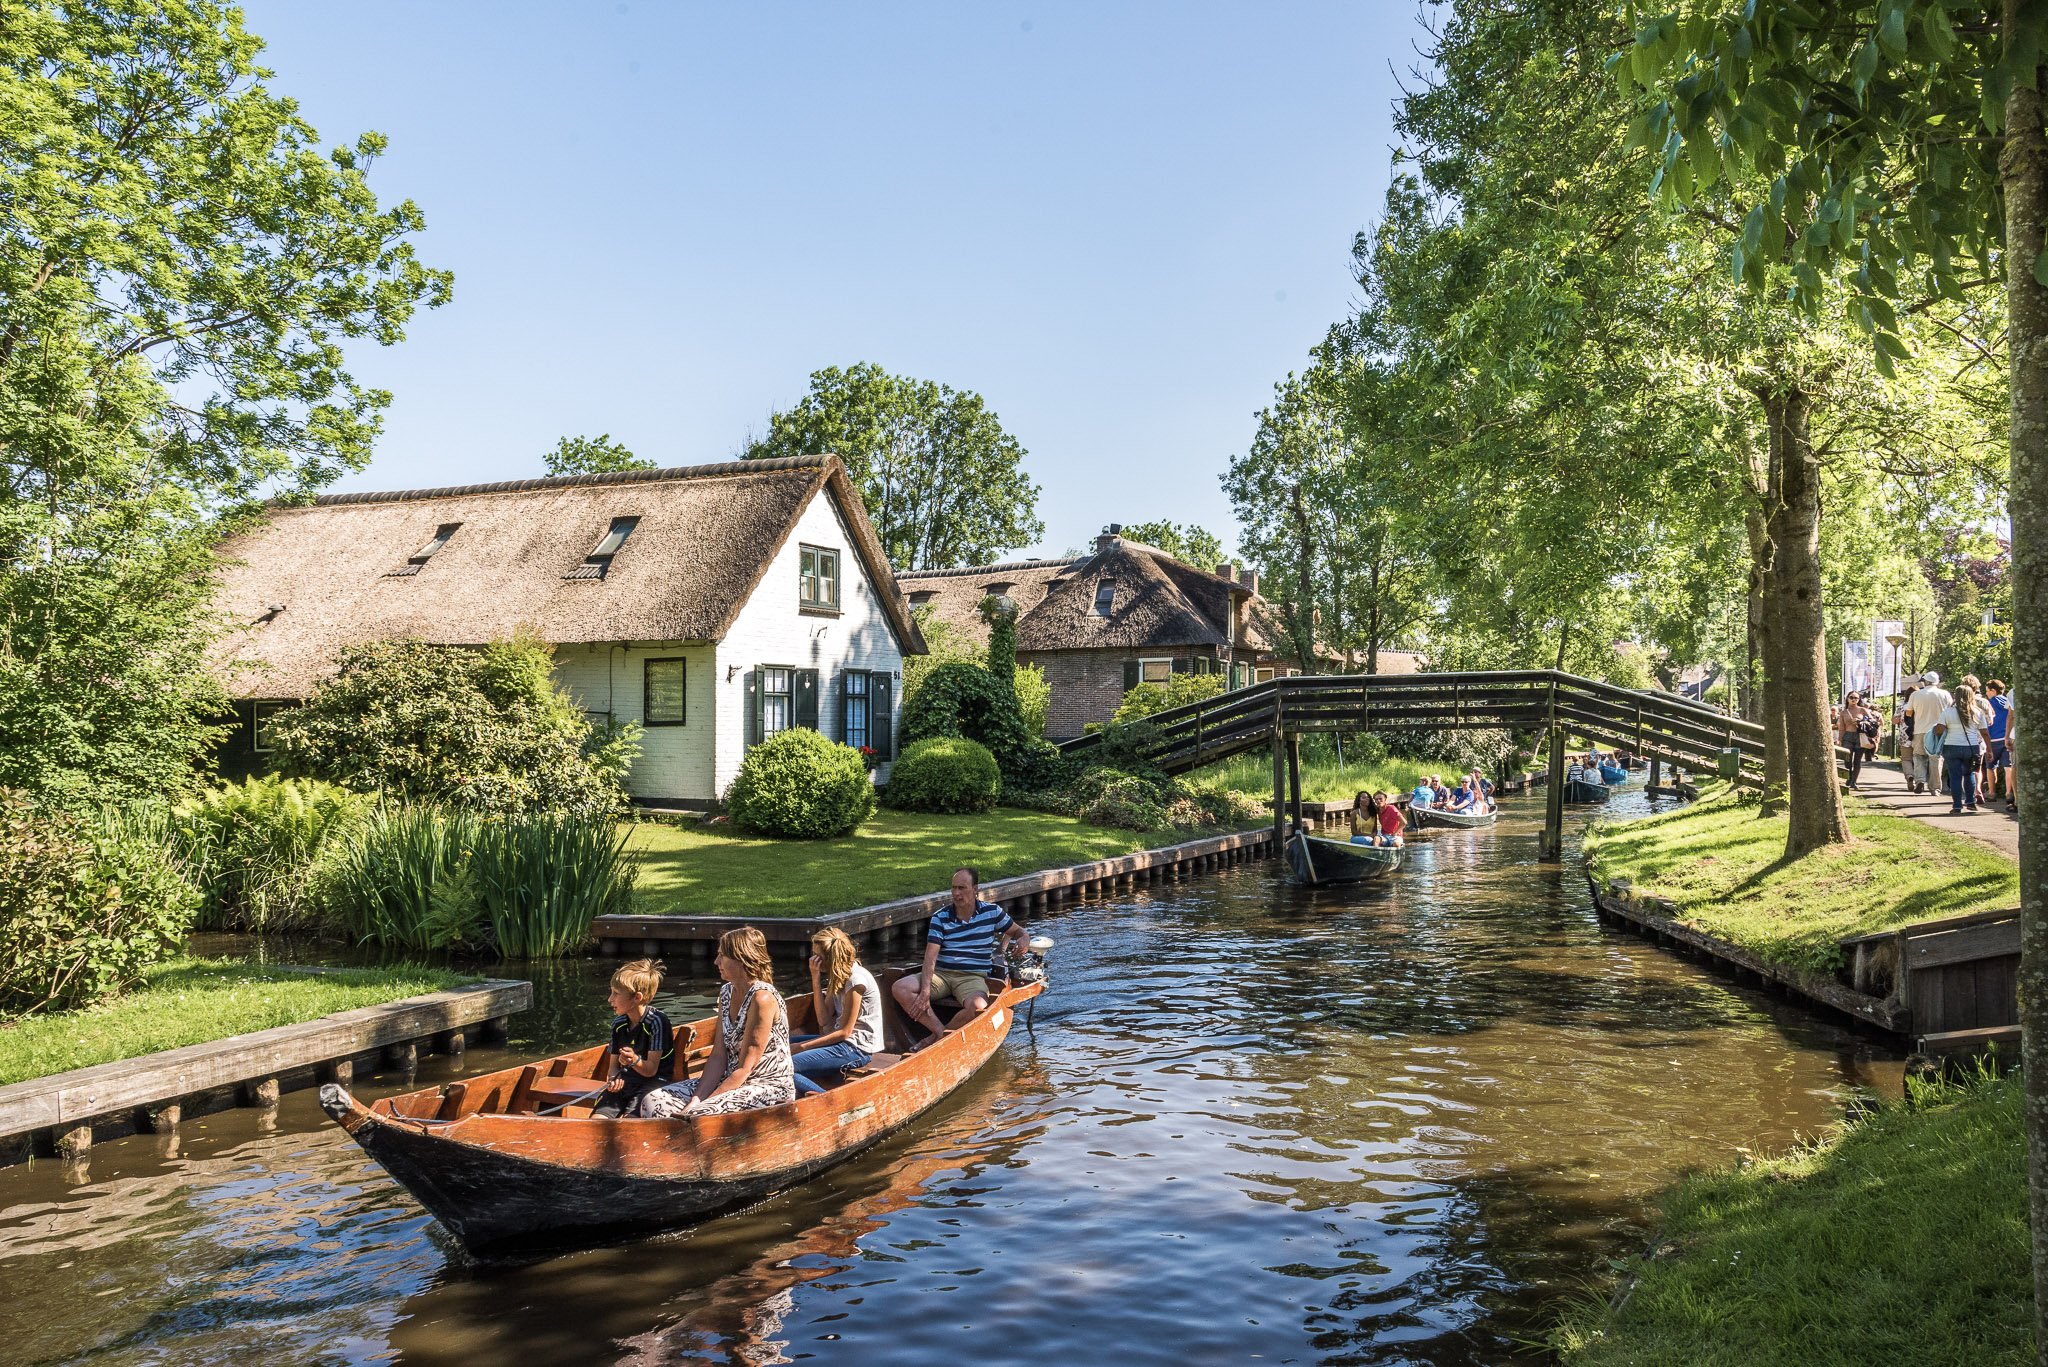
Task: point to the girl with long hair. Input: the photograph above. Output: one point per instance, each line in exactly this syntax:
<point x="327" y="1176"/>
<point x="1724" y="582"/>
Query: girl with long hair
<point x="846" y="1004"/>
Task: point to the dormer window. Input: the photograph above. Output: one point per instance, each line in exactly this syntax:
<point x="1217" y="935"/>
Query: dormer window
<point x="1105" y="595"/>
<point x="425" y="553"/>
<point x="817" y="579"/>
<point x="598" y="563"/>
<point x="999" y="589"/>
<point x="922" y="596"/>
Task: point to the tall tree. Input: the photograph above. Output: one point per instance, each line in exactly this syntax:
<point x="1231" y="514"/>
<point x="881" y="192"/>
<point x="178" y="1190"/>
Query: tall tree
<point x="1904" y="141"/>
<point x="1193" y="544"/>
<point x="180" y="264"/>
<point x="598" y="455"/>
<point x="944" y="483"/>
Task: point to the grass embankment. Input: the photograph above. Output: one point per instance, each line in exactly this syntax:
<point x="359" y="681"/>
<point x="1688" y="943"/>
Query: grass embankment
<point x="718" y="871"/>
<point x="1901" y="1239"/>
<point x="1321" y="780"/>
<point x="196" y="1001"/>
<point x="1723" y="866"/>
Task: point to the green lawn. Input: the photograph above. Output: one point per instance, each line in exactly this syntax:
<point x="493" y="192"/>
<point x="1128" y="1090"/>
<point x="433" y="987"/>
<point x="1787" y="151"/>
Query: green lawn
<point x="715" y="870"/>
<point x="1903" y="1239"/>
<point x="1722" y="865"/>
<point x="196" y="1001"/>
<point x="1322" y="780"/>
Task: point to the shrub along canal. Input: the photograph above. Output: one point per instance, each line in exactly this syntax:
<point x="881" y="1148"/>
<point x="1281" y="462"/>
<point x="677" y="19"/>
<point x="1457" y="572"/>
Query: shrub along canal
<point x="1388" y="1124"/>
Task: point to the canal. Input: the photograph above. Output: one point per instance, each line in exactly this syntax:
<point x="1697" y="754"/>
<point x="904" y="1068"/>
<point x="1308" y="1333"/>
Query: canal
<point x="1250" y="1123"/>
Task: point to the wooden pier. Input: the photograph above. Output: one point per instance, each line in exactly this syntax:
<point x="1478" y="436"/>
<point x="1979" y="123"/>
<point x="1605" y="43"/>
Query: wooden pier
<point x="61" y="1114"/>
<point x="898" y="927"/>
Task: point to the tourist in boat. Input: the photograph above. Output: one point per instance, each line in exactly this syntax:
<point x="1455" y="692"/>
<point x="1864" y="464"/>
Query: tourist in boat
<point x="1365" y="820"/>
<point x="1392" y="823"/>
<point x="1461" y="800"/>
<point x="1423" y="796"/>
<point x="1482" y="792"/>
<point x="959" y="953"/>
<point x="1439" y="794"/>
<point x="642" y="1039"/>
<point x="1612" y="772"/>
<point x="846" y="1004"/>
<point x="749" y="1063"/>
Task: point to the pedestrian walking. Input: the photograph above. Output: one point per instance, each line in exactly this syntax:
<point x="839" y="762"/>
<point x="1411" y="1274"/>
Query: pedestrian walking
<point x="1997" y="749"/>
<point x="1856" y="732"/>
<point x="1930" y="700"/>
<point x="1960" y="731"/>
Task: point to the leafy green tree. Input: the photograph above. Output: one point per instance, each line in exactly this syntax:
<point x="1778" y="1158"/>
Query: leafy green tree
<point x="487" y="730"/>
<point x="943" y="482"/>
<point x="1144" y="699"/>
<point x="598" y="455"/>
<point x="1193" y="544"/>
<point x="181" y="263"/>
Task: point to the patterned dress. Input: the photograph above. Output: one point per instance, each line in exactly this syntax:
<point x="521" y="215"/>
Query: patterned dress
<point x="773" y="1080"/>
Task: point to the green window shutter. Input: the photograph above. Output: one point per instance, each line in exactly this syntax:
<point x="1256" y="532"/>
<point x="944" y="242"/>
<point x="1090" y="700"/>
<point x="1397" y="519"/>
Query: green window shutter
<point x="804" y="706"/>
<point x="882" y="716"/>
<point x="753" y="701"/>
<point x="1130" y="675"/>
<point x="1182" y="665"/>
<point x="845" y="704"/>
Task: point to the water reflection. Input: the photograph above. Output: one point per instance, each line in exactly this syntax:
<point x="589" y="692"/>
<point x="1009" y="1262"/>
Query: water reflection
<point x="1378" y="1125"/>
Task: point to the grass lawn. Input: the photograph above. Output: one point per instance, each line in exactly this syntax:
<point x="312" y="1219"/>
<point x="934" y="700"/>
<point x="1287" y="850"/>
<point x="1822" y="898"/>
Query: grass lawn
<point x="717" y="871"/>
<point x="1322" y="780"/>
<point x="1902" y="1239"/>
<point x="196" y="1001"/>
<point x="1724" y="868"/>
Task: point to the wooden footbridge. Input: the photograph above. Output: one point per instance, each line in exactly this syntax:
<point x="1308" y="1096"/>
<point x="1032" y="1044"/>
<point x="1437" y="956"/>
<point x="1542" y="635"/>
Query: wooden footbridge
<point x="1662" y="727"/>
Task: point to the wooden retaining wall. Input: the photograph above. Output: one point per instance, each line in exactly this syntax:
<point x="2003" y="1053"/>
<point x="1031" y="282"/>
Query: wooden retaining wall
<point x="1953" y="984"/>
<point x="62" y="1113"/>
<point x="899" y="926"/>
<point x="1656" y="919"/>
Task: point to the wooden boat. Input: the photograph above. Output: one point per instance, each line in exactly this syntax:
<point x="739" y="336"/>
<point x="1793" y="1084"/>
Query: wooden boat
<point x="1425" y="817"/>
<point x="1584" y="790"/>
<point x="503" y="1177"/>
<point x="1317" y="860"/>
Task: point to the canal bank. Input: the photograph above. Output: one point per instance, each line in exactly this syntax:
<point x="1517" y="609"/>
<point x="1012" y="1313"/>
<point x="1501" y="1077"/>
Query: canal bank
<point x="1393" y="1123"/>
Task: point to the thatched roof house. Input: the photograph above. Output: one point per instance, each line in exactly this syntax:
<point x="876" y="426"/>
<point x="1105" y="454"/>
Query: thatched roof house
<point x="1100" y="623"/>
<point x="711" y="603"/>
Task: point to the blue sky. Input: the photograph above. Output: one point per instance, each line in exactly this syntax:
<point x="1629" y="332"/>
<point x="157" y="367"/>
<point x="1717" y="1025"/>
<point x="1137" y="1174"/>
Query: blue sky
<point x="1120" y="223"/>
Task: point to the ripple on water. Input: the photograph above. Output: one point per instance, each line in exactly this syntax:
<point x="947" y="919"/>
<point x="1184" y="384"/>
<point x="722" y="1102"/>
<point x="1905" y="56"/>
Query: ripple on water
<point x="1376" y="1125"/>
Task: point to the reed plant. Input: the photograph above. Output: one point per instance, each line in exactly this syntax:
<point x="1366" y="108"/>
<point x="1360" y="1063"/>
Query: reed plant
<point x="402" y="880"/>
<point x="542" y="879"/>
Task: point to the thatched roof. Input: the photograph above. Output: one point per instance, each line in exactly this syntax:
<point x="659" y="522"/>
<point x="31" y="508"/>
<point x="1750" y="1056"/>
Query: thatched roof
<point x="310" y="580"/>
<point x="1158" y="601"/>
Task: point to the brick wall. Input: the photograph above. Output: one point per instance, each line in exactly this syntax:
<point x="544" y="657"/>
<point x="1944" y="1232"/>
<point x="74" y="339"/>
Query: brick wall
<point x="1088" y="685"/>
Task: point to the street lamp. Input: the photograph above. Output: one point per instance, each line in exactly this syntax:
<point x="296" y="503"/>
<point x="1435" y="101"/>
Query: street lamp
<point x="1896" y="642"/>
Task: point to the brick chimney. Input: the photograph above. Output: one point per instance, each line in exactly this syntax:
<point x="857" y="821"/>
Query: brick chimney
<point x="1249" y="577"/>
<point x="1226" y="570"/>
<point x="1108" y="537"/>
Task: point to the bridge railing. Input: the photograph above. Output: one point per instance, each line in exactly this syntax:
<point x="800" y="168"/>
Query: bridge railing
<point x="1658" y="725"/>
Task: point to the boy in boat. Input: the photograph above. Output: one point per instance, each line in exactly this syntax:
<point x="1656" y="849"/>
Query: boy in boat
<point x="642" y="1040"/>
<point x="1392" y="823"/>
<point x="959" y="952"/>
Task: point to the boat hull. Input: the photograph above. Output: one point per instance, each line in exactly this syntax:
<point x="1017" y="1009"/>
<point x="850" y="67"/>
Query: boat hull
<point x="1426" y="817"/>
<point x="1579" y="790"/>
<point x="507" y="1185"/>
<point x="1317" y="861"/>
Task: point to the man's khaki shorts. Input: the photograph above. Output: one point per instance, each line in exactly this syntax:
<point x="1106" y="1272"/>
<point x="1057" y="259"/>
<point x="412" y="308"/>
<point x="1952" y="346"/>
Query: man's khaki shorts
<point x="961" y="986"/>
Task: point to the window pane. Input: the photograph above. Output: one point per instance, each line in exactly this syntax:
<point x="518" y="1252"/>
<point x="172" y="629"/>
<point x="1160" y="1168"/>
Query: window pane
<point x="1157" y="671"/>
<point x="857" y="684"/>
<point x="828" y="572"/>
<point x="774" y="713"/>
<point x="857" y="719"/>
<point x="1105" y="594"/>
<point x="666" y="693"/>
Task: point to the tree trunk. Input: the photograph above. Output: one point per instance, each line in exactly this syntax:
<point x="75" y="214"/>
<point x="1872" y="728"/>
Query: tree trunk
<point x="1372" y="638"/>
<point x="1305" y="637"/>
<point x="2024" y="170"/>
<point x="1765" y="671"/>
<point x="1798" y="630"/>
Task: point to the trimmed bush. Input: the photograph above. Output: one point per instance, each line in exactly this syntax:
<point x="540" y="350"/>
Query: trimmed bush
<point x="254" y="848"/>
<point x="800" y="786"/>
<point x="945" y="774"/>
<point x="85" y="907"/>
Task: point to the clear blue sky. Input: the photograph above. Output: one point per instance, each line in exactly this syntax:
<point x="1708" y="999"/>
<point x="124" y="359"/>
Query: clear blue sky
<point x="1120" y="223"/>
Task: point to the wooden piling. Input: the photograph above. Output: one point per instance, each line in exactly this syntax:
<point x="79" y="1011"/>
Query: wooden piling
<point x="1551" y="846"/>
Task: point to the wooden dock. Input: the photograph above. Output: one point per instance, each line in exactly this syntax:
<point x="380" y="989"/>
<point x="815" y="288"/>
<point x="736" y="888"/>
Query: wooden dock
<point x="1953" y="983"/>
<point x="899" y="926"/>
<point x="62" y="1113"/>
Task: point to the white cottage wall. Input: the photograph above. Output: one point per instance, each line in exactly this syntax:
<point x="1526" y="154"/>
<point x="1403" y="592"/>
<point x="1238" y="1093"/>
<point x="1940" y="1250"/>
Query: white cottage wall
<point x="772" y="630"/>
<point x="676" y="762"/>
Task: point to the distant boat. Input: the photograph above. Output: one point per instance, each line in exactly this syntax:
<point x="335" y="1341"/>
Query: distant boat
<point x="1441" y="816"/>
<point x="1614" y="775"/>
<point x="1317" y="860"/>
<point x="1584" y="790"/>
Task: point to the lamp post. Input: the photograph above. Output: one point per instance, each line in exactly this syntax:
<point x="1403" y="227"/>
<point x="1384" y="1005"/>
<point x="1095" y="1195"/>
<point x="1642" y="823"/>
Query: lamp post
<point x="1896" y="642"/>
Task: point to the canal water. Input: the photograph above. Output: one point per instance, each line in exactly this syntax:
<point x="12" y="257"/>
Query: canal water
<point x="1250" y="1123"/>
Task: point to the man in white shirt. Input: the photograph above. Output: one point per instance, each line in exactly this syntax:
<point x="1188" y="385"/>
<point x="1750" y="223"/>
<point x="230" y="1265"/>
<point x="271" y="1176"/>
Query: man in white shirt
<point x="1926" y="705"/>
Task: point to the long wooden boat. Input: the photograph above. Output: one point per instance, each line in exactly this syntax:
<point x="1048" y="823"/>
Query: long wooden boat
<point x="1584" y="790"/>
<point x="505" y="1178"/>
<point x="1317" y="860"/>
<point x="1425" y="817"/>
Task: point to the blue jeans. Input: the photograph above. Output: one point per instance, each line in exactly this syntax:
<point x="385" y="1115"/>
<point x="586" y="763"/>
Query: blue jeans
<point x="832" y="1058"/>
<point x="1960" y="761"/>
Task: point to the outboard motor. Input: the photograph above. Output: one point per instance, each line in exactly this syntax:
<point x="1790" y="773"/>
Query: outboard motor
<point x="1029" y="967"/>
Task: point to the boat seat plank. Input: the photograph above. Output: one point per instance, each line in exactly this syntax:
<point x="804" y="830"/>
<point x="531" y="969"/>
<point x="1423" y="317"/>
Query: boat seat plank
<point x="877" y="1063"/>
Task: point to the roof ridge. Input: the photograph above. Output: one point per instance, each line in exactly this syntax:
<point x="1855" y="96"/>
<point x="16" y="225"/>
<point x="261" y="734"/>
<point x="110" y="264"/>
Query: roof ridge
<point x="736" y="466"/>
<point x="991" y="569"/>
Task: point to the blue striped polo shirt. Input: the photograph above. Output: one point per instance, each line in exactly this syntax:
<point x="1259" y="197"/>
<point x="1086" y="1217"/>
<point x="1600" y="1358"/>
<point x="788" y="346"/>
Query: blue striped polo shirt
<point x="968" y="946"/>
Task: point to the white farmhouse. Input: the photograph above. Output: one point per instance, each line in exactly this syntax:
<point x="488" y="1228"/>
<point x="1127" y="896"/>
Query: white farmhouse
<point x="712" y="604"/>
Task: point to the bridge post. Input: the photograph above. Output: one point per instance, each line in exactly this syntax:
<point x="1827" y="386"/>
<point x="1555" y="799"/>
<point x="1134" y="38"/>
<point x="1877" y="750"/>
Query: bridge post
<point x="1551" y="847"/>
<point x="1279" y="793"/>
<point x="1656" y="768"/>
<point x="1294" y="779"/>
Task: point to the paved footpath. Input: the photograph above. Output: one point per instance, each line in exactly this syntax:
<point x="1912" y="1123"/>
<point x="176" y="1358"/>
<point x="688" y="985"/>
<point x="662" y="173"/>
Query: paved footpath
<point x="1884" y="786"/>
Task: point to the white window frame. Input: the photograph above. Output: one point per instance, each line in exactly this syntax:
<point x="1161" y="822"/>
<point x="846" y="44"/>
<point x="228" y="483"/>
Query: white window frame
<point x="786" y="695"/>
<point x="1165" y="663"/>
<point x="821" y="600"/>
